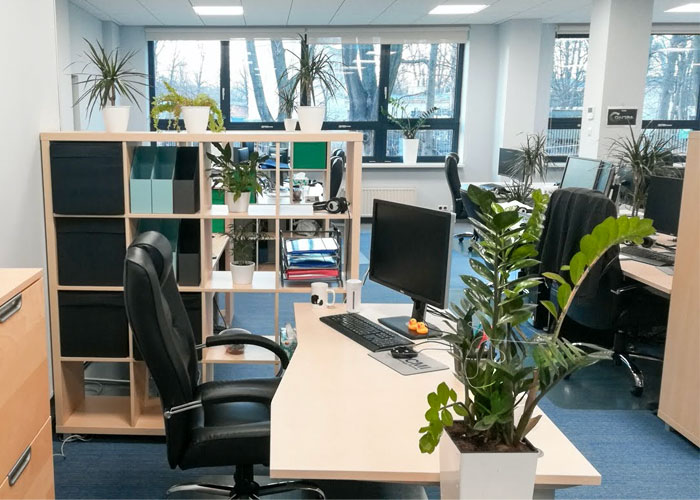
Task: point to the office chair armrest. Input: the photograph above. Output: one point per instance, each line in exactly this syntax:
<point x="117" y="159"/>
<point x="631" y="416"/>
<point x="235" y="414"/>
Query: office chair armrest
<point x="251" y="391"/>
<point x="627" y="288"/>
<point x="236" y="336"/>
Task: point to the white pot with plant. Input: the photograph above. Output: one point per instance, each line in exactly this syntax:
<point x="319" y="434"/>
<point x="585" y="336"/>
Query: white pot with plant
<point x="287" y="97"/>
<point x="197" y="112"/>
<point x="238" y="179"/>
<point x="532" y="160"/>
<point x="482" y="431"/>
<point x="399" y="115"/>
<point x="243" y="238"/>
<point x="113" y="77"/>
<point x="312" y="68"/>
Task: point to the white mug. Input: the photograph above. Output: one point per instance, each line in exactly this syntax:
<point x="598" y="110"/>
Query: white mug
<point x="319" y="294"/>
<point x="353" y="293"/>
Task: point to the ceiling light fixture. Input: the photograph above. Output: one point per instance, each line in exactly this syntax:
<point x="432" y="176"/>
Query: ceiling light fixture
<point x="689" y="7"/>
<point x="218" y="10"/>
<point x="457" y="9"/>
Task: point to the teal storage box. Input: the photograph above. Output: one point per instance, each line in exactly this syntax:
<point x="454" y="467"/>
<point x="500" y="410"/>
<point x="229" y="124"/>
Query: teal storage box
<point x="162" y="180"/>
<point x="310" y="155"/>
<point x="170" y="228"/>
<point x="140" y="180"/>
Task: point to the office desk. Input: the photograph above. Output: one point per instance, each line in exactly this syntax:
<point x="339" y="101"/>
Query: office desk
<point x="546" y="187"/>
<point x="340" y="414"/>
<point x="650" y="275"/>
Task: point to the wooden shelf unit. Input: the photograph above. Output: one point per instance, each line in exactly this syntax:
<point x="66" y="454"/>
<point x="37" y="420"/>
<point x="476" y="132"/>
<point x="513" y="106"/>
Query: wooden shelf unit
<point x="138" y="413"/>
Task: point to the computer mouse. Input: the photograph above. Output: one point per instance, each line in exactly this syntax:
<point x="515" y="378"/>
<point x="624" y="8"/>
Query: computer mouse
<point x="403" y="352"/>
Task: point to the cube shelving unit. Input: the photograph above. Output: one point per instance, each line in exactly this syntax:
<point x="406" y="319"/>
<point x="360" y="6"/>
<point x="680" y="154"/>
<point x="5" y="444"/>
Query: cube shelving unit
<point x="139" y="412"/>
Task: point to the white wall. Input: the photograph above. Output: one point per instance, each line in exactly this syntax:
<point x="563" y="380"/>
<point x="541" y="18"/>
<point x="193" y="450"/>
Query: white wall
<point x="134" y="38"/>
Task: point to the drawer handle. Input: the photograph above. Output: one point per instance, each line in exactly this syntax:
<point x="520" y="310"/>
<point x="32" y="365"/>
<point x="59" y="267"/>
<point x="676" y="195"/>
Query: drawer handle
<point x="19" y="466"/>
<point x="10" y="307"/>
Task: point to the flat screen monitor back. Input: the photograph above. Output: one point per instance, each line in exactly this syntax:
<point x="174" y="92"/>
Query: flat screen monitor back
<point x="663" y="204"/>
<point x="580" y="172"/>
<point x="508" y="163"/>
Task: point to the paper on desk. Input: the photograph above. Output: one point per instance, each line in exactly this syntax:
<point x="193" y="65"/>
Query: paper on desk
<point x="420" y="364"/>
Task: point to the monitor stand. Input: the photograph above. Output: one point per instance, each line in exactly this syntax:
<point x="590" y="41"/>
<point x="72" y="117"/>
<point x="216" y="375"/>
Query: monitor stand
<point x="400" y="323"/>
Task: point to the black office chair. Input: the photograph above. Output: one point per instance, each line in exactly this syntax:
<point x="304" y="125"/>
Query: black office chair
<point x="453" y="182"/>
<point x="213" y="424"/>
<point x="337" y="167"/>
<point x="339" y="152"/>
<point x="606" y="310"/>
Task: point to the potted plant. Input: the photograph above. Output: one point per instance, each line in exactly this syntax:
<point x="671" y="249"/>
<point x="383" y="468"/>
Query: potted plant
<point x="287" y="96"/>
<point x="197" y="112"/>
<point x="312" y="67"/>
<point x="243" y="238"/>
<point x="238" y="179"/>
<point x="642" y="155"/>
<point x="532" y="161"/>
<point x="399" y="115"/>
<point x="112" y="77"/>
<point x="484" y="452"/>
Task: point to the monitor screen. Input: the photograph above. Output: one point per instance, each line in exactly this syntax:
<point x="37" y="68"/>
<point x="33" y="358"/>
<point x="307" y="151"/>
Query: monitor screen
<point x="604" y="181"/>
<point x="411" y="249"/>
<point x="663" y="203"/>
<point x="509" y="163"/>
<point x="581" y="173"/>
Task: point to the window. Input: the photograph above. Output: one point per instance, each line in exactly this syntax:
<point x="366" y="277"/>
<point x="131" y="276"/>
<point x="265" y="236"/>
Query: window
<point x="244" y="75"/>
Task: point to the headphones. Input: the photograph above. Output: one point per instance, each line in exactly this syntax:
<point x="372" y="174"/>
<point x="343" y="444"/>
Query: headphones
<point x="333" y="206"/>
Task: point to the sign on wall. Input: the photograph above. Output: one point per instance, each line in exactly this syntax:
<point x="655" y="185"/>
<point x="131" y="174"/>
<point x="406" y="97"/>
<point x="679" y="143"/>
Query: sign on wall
<point x="622" y="116"/>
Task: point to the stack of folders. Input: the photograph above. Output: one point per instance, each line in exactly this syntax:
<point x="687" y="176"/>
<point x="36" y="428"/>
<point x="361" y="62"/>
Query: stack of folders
<point x="311" y="259"/>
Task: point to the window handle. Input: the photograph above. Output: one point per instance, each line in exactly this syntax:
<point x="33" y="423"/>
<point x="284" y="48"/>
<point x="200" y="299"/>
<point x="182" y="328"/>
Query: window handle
<point x="223" y="93"/>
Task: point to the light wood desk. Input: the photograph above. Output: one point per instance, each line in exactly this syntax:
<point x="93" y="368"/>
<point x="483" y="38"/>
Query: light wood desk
<point x="340" y="414"/>
<point x="650" y="275"/>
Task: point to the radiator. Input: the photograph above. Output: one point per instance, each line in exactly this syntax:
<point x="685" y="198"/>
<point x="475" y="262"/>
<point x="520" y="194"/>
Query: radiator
<point x="400" y="195"/>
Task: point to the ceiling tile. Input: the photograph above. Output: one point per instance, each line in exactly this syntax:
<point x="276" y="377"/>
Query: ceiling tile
<point x="126" y="12"/>
<point x="407" y="12"/>
<point x="312" y="12"/>
<point x="173" y="12"/>
<point x="359" y="11"/>
<point x="266" y="12"/>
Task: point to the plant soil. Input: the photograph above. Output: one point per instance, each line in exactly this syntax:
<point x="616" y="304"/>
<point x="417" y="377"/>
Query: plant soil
<point x="471" y="444"/>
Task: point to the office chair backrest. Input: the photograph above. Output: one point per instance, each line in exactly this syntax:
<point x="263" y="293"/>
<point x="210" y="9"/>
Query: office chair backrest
<point x="339" y="152"/>
<point x="453" y="182"/>
<point x="162" y="330"/>
<point x="337" y="166"/>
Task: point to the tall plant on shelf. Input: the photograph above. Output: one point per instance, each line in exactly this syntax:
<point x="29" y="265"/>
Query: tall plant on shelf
<point x="243" y="238"/>
<point x="198" y="112"/>
<point x="500" y="366"/>
<point x="532" y="161"/>
<point x="399" y="115"/>
<point x="287" y="102"/>
<point x="113" y="77"/>
<point x="311" y="68"/>
<point x="238" y="178"/>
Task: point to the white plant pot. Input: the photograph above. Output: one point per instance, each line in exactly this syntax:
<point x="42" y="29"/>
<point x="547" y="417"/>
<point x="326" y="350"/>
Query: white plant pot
<point x="410" y="151"/>
<point x="485" y="475"/>
<point x="311" y="118"/>
<point x="242" y="274"/>
<point x="196" y="118"/>
<point x="238" y="205"/>
<point x="290" y="124"/>
<point x="116" y="118"/>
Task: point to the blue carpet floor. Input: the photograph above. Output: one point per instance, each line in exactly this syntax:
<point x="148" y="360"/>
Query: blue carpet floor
<point x="636" y="456"/>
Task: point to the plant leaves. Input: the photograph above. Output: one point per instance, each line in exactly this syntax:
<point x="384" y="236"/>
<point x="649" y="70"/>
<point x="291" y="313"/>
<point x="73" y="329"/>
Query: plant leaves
<point x="563" y="294"/>
<point x="549" y="305"/>
<point x="446" y="418"/>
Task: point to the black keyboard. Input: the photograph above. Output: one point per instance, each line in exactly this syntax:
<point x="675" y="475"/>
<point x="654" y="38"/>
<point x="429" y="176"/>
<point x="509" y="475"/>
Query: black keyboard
<point x="649" y="256"/>
<point x="364" y="332"/>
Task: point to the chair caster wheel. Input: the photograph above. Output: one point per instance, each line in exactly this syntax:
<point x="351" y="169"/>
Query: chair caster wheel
<point x="637" y="391"/>
<point x="461" y="240"/>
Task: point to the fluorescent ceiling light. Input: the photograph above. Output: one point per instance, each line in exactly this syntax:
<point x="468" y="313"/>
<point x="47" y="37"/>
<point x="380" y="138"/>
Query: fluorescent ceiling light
<point x="457" y="9"/>
<point x="218" y="10"/>
<point x="689" y="7"/>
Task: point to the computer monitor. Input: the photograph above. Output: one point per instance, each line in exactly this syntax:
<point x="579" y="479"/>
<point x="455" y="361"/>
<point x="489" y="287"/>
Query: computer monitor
<point x="410" y="252"/>
<point x="581" y="172"/>
<point x="663" y="204"/>
<point x="605" y="178"/>
<point x="509" y="164"/>
<point x="241" y="154"/>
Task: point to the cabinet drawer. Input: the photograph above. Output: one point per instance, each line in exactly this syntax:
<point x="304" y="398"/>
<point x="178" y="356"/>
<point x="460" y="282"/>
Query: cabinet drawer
<point x="24" y="372"/>
<point x="36" y="478"/>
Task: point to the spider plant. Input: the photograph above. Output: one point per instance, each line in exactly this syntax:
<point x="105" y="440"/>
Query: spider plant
<point x="113" y="77"/>
<point x="399" y="115"/>
<point x="532" y="161"/>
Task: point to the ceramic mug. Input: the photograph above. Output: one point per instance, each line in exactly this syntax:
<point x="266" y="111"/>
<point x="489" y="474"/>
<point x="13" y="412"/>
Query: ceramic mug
<point x="319" y="294"/>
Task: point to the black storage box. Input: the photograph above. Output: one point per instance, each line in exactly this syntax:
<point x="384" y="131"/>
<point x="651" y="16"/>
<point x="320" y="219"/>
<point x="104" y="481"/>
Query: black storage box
<point x="193" y="307"/>
<point x="186" y="181"/>
<point x="90" y="251"/>
<point x="93" y="324"/>
<point x="87" y="178"/>
<point x="188" y="253"/>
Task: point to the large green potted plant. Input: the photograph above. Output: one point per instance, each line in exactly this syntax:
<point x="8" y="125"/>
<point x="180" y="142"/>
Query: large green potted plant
<point x="242" y="238"/>
<point x="531" y="161"/>
<point x="197" y="112"/>
<point x="237" y="178"/>
<point x="311" y="67"/>
<point x="113" y="77"/>
<point x="482" y="430"/>
<point x="398" y="114"/>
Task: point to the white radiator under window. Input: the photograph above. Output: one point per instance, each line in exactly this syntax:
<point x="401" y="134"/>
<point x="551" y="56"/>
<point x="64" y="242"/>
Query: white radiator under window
<point x="399" y="195"/>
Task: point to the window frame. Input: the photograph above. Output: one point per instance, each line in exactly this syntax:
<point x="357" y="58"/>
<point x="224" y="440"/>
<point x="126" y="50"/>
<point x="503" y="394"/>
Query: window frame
<point x="380" y="126"/>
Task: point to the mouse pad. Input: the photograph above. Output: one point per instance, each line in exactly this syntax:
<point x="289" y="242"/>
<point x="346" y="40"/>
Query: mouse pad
<point x="420" y="364"/>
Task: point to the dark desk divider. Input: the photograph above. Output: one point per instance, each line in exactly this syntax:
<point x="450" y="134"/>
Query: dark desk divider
<point x="93" y="324"/>
<point x="188" y="260"/>
<point x="186" y="182"/>
<point x="87" y="178"/>
<point x="90" y="251"/>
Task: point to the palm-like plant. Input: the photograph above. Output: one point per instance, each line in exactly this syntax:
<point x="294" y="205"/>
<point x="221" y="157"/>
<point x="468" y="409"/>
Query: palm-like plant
<point x="532" y="161"/>
<point x="399" y="115"/>
<point x="113" y="77"/>
<point x="287" y="96"/>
